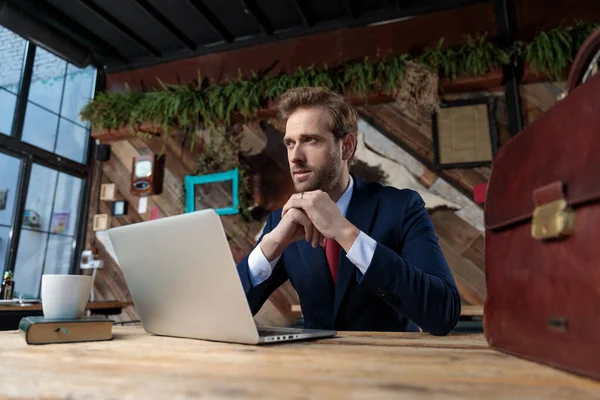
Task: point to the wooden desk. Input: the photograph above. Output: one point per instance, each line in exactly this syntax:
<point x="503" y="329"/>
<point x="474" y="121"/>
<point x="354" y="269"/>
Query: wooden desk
<point x="354" y="365"/>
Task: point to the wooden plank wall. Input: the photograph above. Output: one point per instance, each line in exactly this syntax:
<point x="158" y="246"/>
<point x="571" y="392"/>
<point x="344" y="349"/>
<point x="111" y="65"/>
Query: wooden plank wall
<point x="461" y="242"/>
<point x="538" y="98"/>
<point x="410" y="128"/>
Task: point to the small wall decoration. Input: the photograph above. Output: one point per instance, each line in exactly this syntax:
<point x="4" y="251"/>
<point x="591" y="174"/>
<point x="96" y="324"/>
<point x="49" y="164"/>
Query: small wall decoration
<point x="464" y="133"/>
<point x="217" y="191"/>
<point x="142" y="205"/>
<point x="147" y="175"/>
<point x="60" y="221"/>
<point x="101" y="222"/>
<point x="3" y="198"/>
<point x="479" y="193"/>
<point x="31" y="219"/>
<point x="118" y="208"/>
<point x="86" y="259"/>
<point x="89" y="260"/>
<point x="108" y="191"/>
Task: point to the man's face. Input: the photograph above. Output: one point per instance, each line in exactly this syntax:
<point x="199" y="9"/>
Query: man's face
<point x="314" y="154"/>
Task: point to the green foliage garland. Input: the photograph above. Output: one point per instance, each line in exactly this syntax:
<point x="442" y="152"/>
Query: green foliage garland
<point x="187" y="106"/>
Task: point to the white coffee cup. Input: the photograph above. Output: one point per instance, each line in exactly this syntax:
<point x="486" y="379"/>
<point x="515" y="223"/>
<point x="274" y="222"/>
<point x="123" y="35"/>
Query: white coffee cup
<point x="65" y="296"/>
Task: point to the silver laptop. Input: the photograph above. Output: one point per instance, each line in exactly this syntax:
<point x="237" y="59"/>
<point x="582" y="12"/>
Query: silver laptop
<point x="184" y="281"/>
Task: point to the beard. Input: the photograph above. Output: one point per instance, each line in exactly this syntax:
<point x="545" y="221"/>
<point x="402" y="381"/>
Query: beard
<point x="323" y="177"/>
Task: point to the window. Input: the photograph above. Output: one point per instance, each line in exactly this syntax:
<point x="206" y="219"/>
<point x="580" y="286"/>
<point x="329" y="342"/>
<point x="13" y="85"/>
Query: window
<point x="44" y="167"/>
<point x="57" y="93"/>
<point x="47" y="231"/>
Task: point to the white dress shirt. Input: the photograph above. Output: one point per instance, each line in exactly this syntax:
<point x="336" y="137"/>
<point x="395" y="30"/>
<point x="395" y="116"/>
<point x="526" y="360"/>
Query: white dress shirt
<point x="360" y="254"/>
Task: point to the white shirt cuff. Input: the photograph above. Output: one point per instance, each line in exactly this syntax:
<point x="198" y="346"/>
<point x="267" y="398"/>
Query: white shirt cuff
<point x="260" y="268"/>
<point x="362" y="251"/>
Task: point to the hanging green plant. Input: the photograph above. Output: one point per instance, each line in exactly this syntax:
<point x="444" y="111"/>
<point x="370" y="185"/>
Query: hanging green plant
<point x="111" y="110"/>
<point x="479" y="56"/>
<point x="445" y="61"/>
<point x="360" y="78"/>
<point x="390" y="73"/>
<point x="476" y="57"/>
<point x="580" y="31"/>
<point x="552" y="52"/>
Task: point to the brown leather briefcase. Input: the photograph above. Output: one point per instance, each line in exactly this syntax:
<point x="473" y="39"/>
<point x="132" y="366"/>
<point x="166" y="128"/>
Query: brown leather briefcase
<point x="542" y="242"/>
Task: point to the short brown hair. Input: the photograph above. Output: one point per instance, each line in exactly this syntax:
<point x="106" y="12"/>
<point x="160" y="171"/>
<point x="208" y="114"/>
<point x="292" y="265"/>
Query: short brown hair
<point x="344" y="116"/>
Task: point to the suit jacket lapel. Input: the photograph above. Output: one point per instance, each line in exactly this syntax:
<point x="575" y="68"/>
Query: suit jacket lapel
<point x="361" y="211"/>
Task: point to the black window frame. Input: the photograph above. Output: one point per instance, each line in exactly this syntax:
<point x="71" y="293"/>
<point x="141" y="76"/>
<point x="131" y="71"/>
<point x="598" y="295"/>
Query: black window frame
<point x="11" y="144"/>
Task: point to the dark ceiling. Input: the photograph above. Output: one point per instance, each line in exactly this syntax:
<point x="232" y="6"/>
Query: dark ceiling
<point x="126" y="34"/>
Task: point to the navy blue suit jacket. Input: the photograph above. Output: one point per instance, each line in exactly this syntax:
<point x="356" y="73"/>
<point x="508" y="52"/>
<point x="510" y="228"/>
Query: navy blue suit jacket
<point x="407" y="285"/>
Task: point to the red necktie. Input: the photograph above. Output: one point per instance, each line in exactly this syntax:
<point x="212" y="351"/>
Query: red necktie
<point x="332" y="252"/>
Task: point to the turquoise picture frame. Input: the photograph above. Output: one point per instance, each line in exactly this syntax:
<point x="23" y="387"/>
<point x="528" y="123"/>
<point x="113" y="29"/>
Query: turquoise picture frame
<point x="191" y="181"/>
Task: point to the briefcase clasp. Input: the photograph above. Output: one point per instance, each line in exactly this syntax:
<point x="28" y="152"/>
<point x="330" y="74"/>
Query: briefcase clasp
<point x="552" y="220"/>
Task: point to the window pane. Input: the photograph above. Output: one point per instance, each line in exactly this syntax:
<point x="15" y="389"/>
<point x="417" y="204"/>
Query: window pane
<point x="4" y="232"/>
<point x="58" y="255"/>
<point x="7" y="111"/>
<point x="66" y="205"/>
<point x="40" y="196"/>
<point x="28" y="267"/>
<point x="72" y="141"/>
<point x="47" y="80"/>
<point x="9" y="178"/>
<point x="12" y="56"/>
<point x="79" y="89"/>
<point x="40" y="127"/>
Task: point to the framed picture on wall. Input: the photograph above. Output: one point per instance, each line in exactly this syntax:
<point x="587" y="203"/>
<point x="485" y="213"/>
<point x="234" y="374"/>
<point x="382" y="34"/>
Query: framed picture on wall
<point x="108" y="191"/>
<point x="101" y="222"/>
<point x="464" y="133"/>
<point x="218" y="191"/>
<point x="118" y="208"/>
<point x="60" y="221"/>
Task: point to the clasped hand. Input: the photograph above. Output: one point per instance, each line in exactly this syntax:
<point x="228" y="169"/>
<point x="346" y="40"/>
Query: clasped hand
<point x="315" y="216"/>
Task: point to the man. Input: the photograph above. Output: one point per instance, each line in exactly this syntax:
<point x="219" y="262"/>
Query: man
<point x="360" y="255"/>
